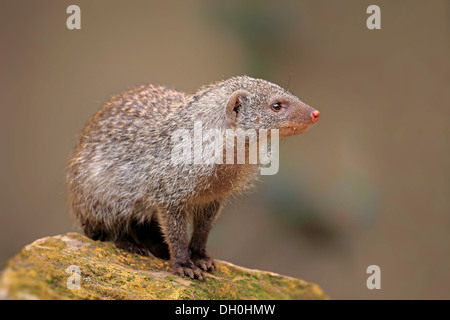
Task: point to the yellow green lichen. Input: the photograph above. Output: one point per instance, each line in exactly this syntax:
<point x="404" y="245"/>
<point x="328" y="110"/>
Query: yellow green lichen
<point x="39" y="272"/>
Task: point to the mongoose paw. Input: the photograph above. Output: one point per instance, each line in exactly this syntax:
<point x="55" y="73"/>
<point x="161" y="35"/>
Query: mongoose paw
<point x="205" y="263"/>
<point x="188" y="270"/>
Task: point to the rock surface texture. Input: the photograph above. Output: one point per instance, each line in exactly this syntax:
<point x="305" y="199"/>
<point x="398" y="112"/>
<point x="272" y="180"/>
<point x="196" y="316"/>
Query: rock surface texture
<point x="72" y="266"/>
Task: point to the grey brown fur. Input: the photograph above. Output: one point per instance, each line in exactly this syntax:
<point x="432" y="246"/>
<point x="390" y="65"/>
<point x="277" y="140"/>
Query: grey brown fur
<point x="123" y="186"/>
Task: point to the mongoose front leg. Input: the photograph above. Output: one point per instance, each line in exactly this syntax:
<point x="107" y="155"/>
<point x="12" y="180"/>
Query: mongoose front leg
<point x="174" y="225"/>
<point x="204" y="218"/>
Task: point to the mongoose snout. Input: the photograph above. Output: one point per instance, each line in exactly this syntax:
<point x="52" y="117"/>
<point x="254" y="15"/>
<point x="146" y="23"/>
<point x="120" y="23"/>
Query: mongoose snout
<point x="300" y="118"/>
<point x="123" y="185"/>
<point x="315" y="115"/>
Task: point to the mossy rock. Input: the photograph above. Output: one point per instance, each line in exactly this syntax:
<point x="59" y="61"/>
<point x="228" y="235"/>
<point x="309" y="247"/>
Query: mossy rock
<point x="42" y="271"/>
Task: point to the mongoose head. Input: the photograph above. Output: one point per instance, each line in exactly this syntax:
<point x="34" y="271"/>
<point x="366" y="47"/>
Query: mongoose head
<point x="259" y="104"/>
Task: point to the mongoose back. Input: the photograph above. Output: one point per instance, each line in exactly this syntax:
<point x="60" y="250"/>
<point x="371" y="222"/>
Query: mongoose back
<point x="124" y="185"/>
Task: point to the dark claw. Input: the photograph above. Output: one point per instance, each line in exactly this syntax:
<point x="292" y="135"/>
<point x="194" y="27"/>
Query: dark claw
<point x="188" y="270"/>
<point x="205" y="263"/>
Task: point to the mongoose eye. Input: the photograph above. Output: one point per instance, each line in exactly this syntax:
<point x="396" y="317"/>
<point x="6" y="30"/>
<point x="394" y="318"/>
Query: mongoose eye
<point x="276" y="106"/>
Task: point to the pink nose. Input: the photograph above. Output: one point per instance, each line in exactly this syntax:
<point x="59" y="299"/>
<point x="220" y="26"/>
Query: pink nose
<point x="315" y="115"/>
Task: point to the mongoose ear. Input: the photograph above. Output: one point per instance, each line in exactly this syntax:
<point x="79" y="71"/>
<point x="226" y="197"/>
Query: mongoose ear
<point x="234" y="105"/>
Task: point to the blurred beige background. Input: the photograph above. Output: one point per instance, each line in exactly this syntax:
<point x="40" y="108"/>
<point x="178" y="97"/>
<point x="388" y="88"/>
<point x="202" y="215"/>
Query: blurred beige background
<point x="369" y="184"/>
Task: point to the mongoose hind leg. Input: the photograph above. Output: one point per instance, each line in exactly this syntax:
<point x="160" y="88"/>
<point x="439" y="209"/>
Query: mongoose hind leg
<point x="144" y="238"/>
<point x="204" y="218"/>
<point x="130" y="245"/>
<point x="150" y="236"/>
<point x="121" y="240"/>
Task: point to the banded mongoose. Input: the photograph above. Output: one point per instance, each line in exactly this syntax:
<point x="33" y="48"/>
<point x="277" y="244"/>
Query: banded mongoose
<point x="124" y="187"/>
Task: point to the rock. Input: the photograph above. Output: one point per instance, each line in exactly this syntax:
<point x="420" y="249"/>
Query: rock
<point x="47" y="269"/>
